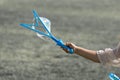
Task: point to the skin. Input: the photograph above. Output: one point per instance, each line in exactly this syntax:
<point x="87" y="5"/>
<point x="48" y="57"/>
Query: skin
<point x="88" y="54"/>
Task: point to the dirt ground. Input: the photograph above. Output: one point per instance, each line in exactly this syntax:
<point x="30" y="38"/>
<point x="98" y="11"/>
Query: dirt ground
<point x="92" y="24"/>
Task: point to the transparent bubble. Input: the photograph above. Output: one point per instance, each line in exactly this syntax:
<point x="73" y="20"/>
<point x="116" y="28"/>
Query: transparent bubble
<point x="40" y="27"/>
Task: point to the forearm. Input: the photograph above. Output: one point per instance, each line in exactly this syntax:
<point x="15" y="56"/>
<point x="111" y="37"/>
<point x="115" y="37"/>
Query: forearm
<point x="89" y="54"/>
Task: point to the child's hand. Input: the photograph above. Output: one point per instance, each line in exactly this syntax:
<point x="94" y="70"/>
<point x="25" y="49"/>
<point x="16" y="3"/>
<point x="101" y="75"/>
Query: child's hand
<point x="71" y="45"/>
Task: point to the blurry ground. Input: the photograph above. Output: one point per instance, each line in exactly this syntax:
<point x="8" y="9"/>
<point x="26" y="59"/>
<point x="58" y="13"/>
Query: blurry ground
<point x="93" y="24"/>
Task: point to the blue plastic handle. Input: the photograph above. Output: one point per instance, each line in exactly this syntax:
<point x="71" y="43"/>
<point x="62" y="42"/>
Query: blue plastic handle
<point x="60" y="43"/>
<point x="112" y="76"/>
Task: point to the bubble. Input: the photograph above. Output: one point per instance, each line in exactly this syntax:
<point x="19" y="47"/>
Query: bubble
<point x="40" y="27"/>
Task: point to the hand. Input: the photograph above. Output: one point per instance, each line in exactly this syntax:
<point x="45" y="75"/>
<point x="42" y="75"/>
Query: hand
<point x="71" y="45"/>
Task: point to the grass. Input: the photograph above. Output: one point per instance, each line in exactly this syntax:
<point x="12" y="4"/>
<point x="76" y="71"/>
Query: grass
<point x="93" y="24"/>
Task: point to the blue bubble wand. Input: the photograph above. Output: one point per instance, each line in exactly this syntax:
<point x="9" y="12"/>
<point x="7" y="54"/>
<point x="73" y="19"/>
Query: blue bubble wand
<point x="43" y="23"/>
<point x="112" y="76"/>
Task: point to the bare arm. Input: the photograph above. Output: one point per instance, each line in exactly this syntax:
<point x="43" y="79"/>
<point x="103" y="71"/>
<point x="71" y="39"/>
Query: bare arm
<point x="88" y="54"/>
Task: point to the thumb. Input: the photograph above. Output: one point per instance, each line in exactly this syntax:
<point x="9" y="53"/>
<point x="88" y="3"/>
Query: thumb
<point x="71" y="45"/>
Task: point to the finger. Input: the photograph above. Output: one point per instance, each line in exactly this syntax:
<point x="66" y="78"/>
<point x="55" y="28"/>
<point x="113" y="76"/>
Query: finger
<point x="65" y="50"/>
<point x="69" y="44"/>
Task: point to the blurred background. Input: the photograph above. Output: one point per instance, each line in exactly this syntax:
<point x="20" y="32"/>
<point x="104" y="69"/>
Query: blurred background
<point x="92" y="24"/>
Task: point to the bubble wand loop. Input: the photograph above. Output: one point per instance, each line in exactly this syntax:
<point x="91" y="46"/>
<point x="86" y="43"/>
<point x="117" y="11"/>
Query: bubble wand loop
<point x="33" y="27"/>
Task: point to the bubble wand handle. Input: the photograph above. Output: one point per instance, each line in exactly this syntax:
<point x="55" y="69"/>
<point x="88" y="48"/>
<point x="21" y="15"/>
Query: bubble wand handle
<point x="112" y="76"/>
<point x="60" y="43"/>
